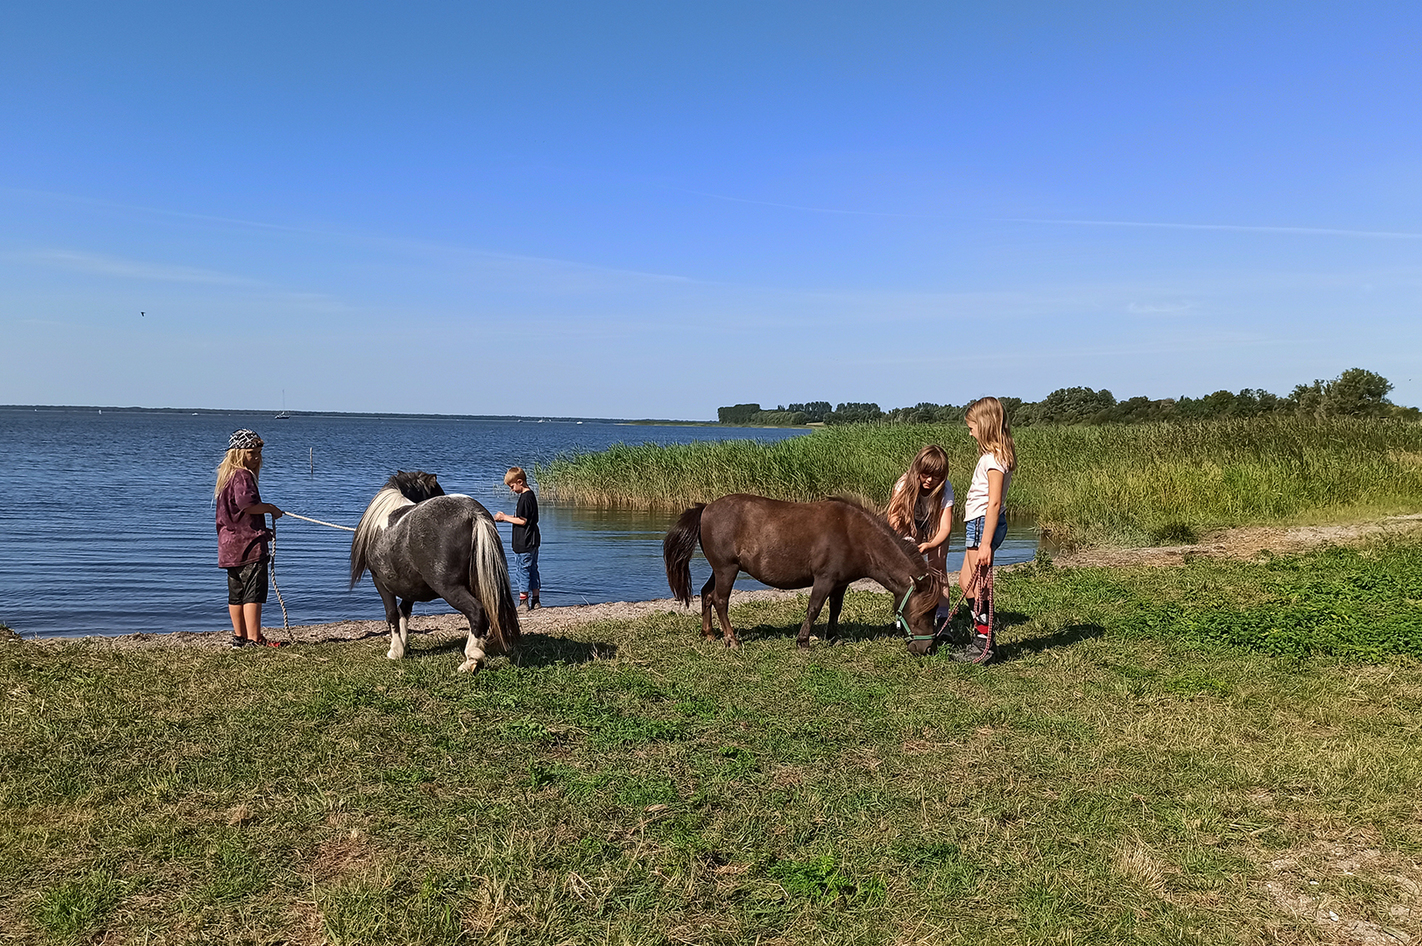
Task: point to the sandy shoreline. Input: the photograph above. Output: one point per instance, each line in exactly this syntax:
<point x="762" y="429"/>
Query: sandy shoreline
<point x="544" y="620"/>
<point x="1241" y="543"/>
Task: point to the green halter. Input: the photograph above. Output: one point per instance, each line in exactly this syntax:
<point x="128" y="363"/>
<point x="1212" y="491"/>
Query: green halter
<point x="902" y="621"/>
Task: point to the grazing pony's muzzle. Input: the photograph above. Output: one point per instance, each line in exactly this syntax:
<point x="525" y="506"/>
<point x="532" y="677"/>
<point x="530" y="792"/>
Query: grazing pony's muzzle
<point x="902" y="622"/>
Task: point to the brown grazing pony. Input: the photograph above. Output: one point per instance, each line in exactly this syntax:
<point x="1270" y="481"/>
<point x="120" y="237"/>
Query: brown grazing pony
<point x="823" y="546"/>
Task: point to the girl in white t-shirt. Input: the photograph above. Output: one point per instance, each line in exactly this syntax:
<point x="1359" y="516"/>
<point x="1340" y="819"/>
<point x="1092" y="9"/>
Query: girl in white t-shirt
<point x="922" y="510"/>
<point x="985" y="516"/>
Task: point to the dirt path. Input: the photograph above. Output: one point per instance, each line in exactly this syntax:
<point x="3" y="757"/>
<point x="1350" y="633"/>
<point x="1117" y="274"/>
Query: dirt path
<point x="1241" y="543"/>
<point x="1247" y="542"/>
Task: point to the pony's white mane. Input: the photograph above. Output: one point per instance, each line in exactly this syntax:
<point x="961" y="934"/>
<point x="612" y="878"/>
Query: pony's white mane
<point x="377" y="514"/>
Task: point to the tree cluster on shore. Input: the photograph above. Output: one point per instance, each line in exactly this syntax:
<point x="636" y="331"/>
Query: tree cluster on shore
<point x="1356" y="392"/>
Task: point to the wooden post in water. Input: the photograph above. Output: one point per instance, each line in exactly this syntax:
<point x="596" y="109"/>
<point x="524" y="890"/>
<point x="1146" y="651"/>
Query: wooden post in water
<point x="313" y="460"/>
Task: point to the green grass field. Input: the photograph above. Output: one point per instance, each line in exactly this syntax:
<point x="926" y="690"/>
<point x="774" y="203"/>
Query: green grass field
<point x="1218" y="753"/>
<point x="1133" y="485"/>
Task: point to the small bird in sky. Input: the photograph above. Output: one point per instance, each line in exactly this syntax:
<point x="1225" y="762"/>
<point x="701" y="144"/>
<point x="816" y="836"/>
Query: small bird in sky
<point x="143" y="313"/>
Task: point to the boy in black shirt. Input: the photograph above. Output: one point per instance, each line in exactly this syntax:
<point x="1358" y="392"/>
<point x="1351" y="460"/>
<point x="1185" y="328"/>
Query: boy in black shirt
<point x="525" y="536"/>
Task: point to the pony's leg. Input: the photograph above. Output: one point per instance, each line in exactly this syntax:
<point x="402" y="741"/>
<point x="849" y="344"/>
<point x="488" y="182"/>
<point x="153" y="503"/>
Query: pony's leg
<point x="466" y="604"/>
<point x="836" y="602"/>
<point x="818" y="593"/>
<point x="474" y="655"/>
<point x="406" y="609"/>
<point x="721" y="597"/>
<point x="395" y="622"/>
<point x="706" y="590"/>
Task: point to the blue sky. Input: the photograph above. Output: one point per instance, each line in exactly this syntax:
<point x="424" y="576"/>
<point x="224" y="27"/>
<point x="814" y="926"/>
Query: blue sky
<point x="652" y="209"/>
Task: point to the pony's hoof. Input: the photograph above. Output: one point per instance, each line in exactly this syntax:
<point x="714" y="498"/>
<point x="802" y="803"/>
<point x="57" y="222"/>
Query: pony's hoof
<point x="393" y="654"/>
<point x="469" y="666"/>
<point x="733" y="644"/>
<point x="802" y="645"/>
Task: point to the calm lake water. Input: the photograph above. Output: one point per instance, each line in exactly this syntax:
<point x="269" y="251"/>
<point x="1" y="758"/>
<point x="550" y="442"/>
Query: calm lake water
<point x="106" y="519"/>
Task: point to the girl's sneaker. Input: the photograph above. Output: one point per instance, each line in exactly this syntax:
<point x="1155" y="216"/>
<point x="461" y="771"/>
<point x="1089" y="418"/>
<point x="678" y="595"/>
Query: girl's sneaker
<point x="236" y="642"/>
<point x="979" y="649"/>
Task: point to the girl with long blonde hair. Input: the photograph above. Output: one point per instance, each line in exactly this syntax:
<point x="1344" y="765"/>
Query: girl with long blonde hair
<point x="242" y="535"/>
<point x="985" y="517"/>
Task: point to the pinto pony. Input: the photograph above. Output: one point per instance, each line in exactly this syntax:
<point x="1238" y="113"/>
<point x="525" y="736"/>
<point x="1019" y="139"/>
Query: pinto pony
<point x="420" y="544"/>
<point x="823" y="546"/>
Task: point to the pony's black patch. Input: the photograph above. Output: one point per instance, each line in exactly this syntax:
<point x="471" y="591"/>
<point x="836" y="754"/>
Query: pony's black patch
<point x="416" y="486"/>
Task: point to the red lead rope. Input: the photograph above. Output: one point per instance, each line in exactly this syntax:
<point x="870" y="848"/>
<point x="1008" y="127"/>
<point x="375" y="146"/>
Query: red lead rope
<point x="985" y="591"/>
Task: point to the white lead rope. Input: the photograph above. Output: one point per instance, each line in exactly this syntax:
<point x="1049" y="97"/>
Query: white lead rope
<point x="331" y="525"/>
<point x="271" y="564"/>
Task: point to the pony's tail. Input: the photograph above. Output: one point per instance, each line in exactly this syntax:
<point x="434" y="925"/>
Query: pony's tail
<point x="489" y="578"/>
<point x="677" y="549"/>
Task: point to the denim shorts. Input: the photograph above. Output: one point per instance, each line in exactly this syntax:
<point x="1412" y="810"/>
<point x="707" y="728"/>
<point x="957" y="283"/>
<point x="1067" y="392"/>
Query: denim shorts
<point x="975" y="531"/>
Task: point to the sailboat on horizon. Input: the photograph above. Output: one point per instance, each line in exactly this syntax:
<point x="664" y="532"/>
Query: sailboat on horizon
<point x="285" y="414"/>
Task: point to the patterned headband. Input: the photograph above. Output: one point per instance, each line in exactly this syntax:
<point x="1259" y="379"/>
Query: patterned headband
<point x="244" y="439"/>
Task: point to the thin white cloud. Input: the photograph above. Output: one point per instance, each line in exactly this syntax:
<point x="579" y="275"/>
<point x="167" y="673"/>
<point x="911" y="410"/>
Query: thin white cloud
<point x="403" y="244"/>
<point x="1216" y="341"/>
<point x="96" y="264"/>
<point x="99" y="265"/>
<point x="1227" y="227"/>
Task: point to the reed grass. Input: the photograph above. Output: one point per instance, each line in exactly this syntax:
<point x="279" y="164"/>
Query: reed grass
<point x="1137" y="484"/>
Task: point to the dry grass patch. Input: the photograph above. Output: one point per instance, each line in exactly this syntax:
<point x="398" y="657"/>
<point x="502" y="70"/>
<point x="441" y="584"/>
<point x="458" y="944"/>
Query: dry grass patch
<point x="1348" y="893"/>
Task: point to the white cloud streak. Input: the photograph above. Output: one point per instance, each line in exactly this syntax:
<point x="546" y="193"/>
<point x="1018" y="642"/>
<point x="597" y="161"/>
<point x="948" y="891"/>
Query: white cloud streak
<point x="409" y="246"/>
<point x="98" y="265"/>
<point x="1227" y="227"/>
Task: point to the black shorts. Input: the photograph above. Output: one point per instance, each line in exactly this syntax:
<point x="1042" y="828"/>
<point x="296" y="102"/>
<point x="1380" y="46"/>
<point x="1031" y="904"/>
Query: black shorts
<point x="247" y="584"/>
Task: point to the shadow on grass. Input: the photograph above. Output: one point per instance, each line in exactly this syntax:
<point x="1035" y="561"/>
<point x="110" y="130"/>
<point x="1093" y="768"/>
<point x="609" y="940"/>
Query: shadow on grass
<point x="1008" y="649"/>
<point x="534" y="650"/>
<point x="847" y="632"/>
<point x="853" y="632"/>
<point x="1062" y="637"/>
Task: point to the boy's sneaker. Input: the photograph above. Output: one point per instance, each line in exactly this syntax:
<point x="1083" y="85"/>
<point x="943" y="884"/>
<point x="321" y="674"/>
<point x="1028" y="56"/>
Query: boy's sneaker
<point x="236" y="642"/>
<point x="978" y="651"/>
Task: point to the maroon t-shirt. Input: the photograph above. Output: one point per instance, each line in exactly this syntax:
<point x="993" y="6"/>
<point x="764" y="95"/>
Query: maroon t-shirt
<point x="241" y="540"/>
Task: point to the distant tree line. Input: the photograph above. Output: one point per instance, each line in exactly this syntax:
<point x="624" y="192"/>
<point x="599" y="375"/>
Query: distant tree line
<point x="1354" y="393"/>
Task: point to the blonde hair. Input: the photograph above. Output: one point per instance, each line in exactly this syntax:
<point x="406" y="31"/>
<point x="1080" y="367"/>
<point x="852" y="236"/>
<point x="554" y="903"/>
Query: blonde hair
<point x="932" y="460"/>
<point x="994" y="433"/>
<point x="233" y="461"/>
<point x="515" y="474"/>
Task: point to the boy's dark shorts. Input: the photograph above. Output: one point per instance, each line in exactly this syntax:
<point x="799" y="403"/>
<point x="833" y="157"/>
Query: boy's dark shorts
<point x="247" y="584"/>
